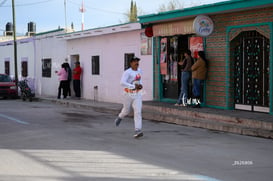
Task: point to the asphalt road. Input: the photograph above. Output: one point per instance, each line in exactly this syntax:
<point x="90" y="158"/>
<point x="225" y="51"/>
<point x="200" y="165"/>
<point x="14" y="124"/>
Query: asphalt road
<point x="48" y="142"/>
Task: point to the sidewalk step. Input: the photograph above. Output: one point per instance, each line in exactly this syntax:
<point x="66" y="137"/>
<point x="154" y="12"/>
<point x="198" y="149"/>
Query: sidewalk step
<point x="194" y="113"/>
<point x="208" y="121"/>
<point x="226" y="121"/>
<point x="111" y="108"/>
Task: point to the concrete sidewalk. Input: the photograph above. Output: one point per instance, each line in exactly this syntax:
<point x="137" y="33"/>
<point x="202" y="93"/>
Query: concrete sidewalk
<point x="233" y="121"/>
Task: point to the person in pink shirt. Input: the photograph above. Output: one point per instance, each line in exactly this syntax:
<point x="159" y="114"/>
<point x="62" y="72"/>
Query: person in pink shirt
<point x="63" y="75"/>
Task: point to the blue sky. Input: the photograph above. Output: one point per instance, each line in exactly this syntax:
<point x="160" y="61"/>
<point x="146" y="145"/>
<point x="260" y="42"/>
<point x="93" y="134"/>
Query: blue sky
<point x="50" y="14"/>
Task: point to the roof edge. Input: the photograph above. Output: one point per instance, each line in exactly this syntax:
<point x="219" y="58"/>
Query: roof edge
<point x="220" y="7"/>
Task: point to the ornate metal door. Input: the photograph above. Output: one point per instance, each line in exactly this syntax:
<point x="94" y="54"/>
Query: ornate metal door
<point x="250" y="55"/>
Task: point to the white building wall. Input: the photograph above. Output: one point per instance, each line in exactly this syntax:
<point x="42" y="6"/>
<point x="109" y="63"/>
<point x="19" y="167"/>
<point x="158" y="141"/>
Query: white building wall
<point x="111" y="49"/>
<point x="48" y="46"/>
<point x="6" y="54"/>
<point x="25" y="52"/>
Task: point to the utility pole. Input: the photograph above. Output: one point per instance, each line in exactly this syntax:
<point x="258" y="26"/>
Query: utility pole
<point x="14" y="44"/>
<point x="82" y="10"/>
<point x="65" y="18"/>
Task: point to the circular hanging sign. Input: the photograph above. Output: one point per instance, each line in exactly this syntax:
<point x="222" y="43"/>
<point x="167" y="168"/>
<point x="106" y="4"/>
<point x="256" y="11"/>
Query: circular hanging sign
<point x="149" y="31"/>
<point x="203" y="25"/>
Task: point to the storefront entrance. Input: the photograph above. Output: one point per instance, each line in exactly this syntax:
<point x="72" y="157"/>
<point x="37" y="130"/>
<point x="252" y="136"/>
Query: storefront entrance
<point x="171" y="53"/>
<point x="250" y="59"/>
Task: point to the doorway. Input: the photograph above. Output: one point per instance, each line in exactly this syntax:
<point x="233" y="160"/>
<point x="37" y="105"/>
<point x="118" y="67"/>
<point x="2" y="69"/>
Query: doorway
<point x="73" y="59"/>
<point x="250" y="59"/>
<point x="171" y="52"/>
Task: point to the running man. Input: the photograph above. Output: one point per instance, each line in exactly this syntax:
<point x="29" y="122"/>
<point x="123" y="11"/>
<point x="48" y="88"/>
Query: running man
<point x="132" y="83"/>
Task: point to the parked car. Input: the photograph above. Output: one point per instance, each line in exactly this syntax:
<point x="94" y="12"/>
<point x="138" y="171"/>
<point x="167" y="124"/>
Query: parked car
<point x="7" y="87"/>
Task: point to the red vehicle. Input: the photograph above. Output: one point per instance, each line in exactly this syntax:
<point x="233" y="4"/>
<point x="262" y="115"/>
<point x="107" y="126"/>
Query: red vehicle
<point x="7" y="87"/>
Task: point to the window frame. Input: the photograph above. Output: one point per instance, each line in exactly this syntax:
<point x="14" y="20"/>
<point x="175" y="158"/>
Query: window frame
<point x="95" y="65"/>
<point x="46" y="67"/>
<point x="127" y="58"/>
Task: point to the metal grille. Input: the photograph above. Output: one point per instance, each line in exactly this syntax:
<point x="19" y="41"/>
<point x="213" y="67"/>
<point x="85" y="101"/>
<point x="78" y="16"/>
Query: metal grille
<point x="250" y="54"/>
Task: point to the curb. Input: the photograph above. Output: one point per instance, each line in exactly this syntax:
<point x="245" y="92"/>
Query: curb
<point x="191" y="118"/>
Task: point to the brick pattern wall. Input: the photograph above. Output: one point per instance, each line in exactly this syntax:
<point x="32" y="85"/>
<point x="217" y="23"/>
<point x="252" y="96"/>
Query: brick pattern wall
<point x="216" y="45"/>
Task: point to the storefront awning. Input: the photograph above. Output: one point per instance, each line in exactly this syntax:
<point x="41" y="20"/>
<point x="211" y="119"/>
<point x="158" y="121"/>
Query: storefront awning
<point x="174" y="28"/>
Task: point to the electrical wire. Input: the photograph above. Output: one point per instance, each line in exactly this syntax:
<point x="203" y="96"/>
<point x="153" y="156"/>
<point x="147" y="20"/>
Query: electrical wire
<point x="3" y="2"/>
<point x="97" y="9"/>
<point x="26" y="4"/>
<point x="72" y="2"/>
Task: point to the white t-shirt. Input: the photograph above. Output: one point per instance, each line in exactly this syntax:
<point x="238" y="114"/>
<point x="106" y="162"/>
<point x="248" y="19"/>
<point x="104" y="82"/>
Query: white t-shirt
<point x="131" y="77"/>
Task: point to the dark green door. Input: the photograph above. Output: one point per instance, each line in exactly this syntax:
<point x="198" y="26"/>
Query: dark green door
<point x="250" y="56"/>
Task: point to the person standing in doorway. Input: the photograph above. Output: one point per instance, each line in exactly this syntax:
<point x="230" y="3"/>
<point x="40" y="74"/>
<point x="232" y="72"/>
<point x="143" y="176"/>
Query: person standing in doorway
<point x="199" y="72"/>
<point x="77" y="71"/>
<point x="69" y="78"/>
<point x="185" y="78"/>
<point x="132" y="83"/>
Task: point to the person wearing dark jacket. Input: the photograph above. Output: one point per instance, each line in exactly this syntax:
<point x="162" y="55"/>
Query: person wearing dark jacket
<point x="199" y="73"/>
<point x="69" y="78"/>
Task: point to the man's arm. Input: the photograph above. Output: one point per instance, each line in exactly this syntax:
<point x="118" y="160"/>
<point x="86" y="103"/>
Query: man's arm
<point x="124" y="81"/>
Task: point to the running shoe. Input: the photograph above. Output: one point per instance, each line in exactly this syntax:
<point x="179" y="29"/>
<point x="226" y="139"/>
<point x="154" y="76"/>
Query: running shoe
<point x="138" y="134"/>
<point x="117" y="121"/>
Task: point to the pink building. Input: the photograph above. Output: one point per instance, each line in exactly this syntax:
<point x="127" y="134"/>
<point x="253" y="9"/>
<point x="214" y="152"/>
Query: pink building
<point x="104" y="54"/>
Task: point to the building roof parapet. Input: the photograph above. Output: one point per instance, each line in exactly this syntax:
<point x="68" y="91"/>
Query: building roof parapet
<point x="215" y="8"/>
<point x="49" y="32"/>
<point x="5" y="41"/>
<point x="101" y="31"/>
